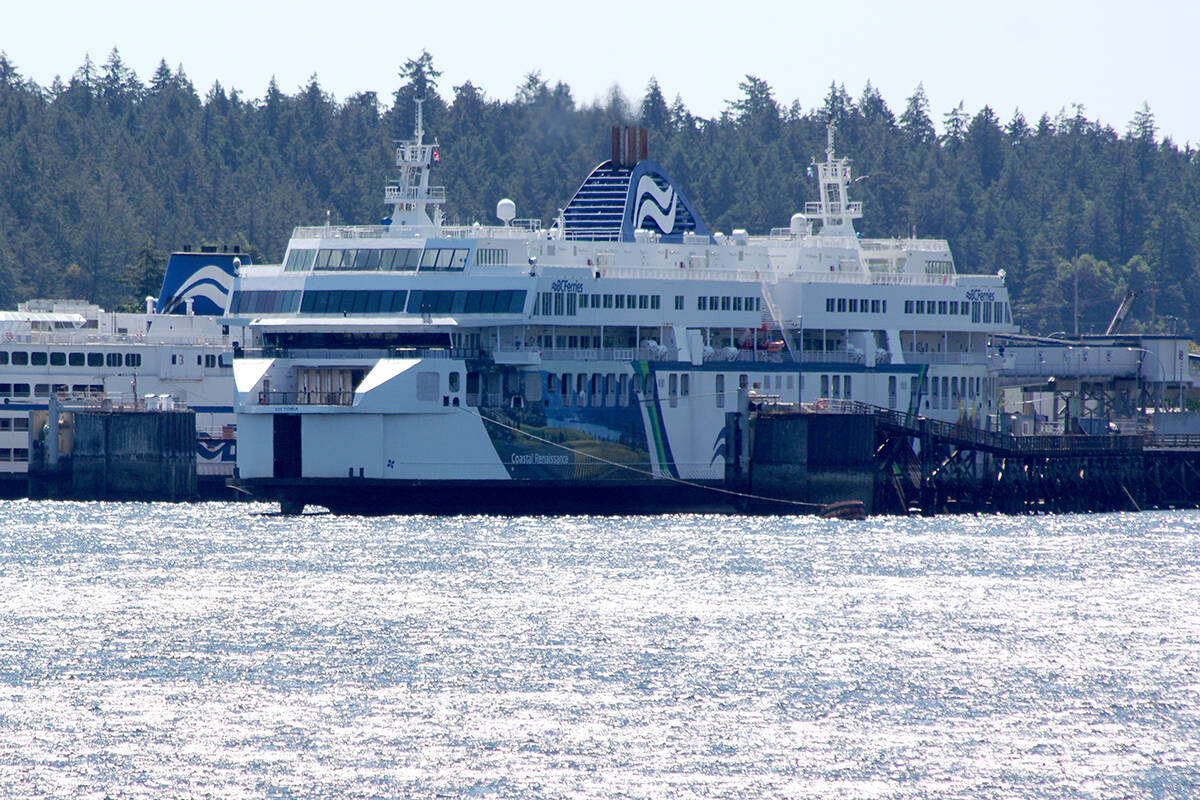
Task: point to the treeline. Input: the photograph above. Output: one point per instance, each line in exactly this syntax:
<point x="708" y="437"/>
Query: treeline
<point x="102" y="175"/>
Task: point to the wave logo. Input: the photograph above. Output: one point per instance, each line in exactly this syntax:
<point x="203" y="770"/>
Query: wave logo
<point x="210" y="283"/>
<point x="217" y="450"/>
<point x="656" y="203"/>
<point x="720" y="448"/>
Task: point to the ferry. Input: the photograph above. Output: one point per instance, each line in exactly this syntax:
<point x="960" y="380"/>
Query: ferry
<point x="178" y="353"/>
<point x="592" y="364"/>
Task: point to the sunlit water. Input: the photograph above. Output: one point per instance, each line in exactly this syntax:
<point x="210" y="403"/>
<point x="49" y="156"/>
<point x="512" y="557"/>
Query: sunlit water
<point x="213" y="651"/>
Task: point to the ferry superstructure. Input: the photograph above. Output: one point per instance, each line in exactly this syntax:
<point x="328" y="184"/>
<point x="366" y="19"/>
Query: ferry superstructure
<point x="593" y="363"/>
<point x="180" y="351"/>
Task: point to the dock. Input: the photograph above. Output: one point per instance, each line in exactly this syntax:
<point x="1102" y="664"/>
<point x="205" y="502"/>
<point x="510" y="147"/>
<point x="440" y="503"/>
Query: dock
<point x="899" y="463"/>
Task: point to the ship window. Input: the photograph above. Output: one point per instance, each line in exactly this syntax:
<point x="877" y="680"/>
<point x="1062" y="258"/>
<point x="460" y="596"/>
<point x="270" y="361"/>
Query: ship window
<point x="725" y="303"/>
<point x="655" y="302"/>
<point x="1007" y="315"/>
<point x="112" y="359"/>
<point x="460" y="258"/>
<point x="824" y="386"/>
<point x="5" y="454"/>
<point x="336" y="258"/>
<point x="95" y="359"/>
<point x="20" y="454"/>
<point x="20" y="390"/>
<point x="908" y="306"/>
<point x="941" y="307"/>
<point x="38" y="359"/>
<point x="712" y="303"/>
<point x="720" y="391"/>
<point x="411" y="258"/>
<point x="631" y="300"/>
<point x="322" y="260"/>
<point x="41" y="390"/>
<point x="75" y="359"/>
<point x="920" y="306"/>
<point x="846" y="387"/>
<point x="572" y="299"/>
<point x="56" y="359"/>
<point x="702" y="303"/>
<point x="444" y="257"/>
<point x="673" y="389"/>
<point x="3" y="357"/>
<point x="133" y="359"/>
<point x="975" y="311"/>
<point x="608" y="301"/>
<point x="841" y="305"/>
<point x="999" y="312"/>
<point x="853" y="305"/>
<point x="987" y="313"/>
<point x="429" y="258"/>
<point x="547" y="300"/>
<point x="559" y="303"/>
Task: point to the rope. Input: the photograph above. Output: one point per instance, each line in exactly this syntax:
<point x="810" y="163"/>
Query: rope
<point x="645" y="473"/>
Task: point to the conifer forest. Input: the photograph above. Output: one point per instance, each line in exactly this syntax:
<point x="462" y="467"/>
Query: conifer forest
<point x="104" y="174"/>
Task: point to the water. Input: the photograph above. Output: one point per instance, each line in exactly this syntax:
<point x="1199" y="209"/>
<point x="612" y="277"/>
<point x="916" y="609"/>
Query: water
<point x="212" y="651"/>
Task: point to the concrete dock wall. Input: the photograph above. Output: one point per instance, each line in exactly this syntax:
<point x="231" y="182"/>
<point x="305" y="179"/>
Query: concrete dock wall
<point x="813" y="458"/>
<point x="134" y="455"/>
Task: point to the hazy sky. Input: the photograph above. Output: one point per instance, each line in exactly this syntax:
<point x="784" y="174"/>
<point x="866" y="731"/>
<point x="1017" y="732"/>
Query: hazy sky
<point x="1037" y="56"/>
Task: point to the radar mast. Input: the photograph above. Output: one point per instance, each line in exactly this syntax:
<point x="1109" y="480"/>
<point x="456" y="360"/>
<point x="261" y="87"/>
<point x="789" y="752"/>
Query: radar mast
<point x="411" y="194"/>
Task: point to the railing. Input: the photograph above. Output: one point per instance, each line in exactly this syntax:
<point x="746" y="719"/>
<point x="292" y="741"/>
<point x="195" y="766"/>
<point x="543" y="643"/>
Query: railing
<point x="91" y="337"/>
<point x="358" y="354"/>
<point x="607" y="354"/>
<point x="274" y="398"/>
<point x="1005" y="443"/>
<point x="956" y="359"/>
<point x="414" y="194"/>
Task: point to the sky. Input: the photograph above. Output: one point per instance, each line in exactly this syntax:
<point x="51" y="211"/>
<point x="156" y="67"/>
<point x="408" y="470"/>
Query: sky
<point x="1038" y="57"/>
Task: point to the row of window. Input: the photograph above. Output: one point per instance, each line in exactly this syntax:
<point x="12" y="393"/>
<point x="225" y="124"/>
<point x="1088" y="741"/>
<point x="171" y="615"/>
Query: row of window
<point x="726" y="303"/>
<point x="855" y="305"/>
<point x="504" y="301"/>
<point x="14" y="423"/>
<point x="984" y="312"/>
<point x="14" y="454"/>
<point x="406" y="259"/>
<point x="46" y="389"/>
<point x="58" y="358"/>
<point x="361" y="301"/>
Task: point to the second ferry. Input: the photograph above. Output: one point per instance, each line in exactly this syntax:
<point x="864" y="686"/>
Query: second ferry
<point x="592" y="364"/>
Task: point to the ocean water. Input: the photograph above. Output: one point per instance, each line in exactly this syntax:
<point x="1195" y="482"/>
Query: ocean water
<point x="214" y="650"/>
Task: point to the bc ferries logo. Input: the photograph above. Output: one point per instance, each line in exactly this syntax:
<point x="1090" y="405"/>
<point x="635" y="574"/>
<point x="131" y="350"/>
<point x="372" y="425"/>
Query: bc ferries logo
<point x="655" y="203"/>
<point x="210" y="284"/>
